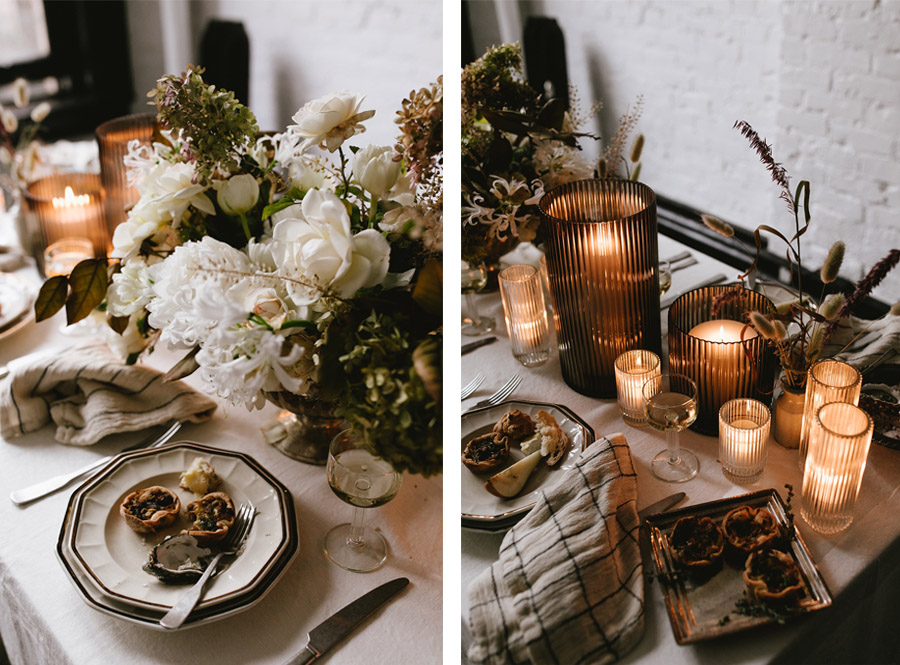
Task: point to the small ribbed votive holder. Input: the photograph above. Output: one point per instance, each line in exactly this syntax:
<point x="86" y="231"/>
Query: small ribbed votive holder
<point x="633" y="370"/>
<point x="522" y="294"/>
<point x="61" y="257"/>
<point x="744" y="426"/>
<point x="828" y="381"/>
<point x="840" y="436"/>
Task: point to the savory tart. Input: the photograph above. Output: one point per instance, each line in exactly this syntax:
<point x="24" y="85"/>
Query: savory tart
<point x="150" y="509"/>
<point x="200" y="477"/>
<point x="773" y="577"/>
<point x="485" y="453"/>
<point x="514" y="426"/>
<point x="748" y="529"/>
<point x="211" y="516"/>
<point x="697" y="544"/>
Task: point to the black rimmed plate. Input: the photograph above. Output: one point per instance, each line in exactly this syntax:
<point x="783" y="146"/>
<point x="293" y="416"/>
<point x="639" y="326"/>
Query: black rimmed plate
<point x="481" y="509"/>
<point x="702" y="611"/>
<point x="104" y="561"/>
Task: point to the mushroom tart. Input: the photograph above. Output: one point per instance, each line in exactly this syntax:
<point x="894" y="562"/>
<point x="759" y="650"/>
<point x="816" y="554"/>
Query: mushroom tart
<point x="697" y="544"/>
<point x="773" y="577"/>
<point x="150" y="509"/>
<point x="513" y="427"/>
<point x="211" y="516"/>
<point x="748" y="529"/>
<point x="485" y="453"/>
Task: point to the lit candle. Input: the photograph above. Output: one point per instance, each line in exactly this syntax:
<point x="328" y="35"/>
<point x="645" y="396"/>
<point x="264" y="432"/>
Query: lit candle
<point x="839" y="440"/>
<point x="743" y="436"/>
<point x="63" y="255"/>
<point x="723" y="330"/>
<point x="522" y="295"/>
<point x="68" y="206"/>
<point x="633" y="370"/>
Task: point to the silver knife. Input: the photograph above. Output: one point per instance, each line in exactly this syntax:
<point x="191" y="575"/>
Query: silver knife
<point x="661" y="506"/>
<point x="45" y="487"/>
<point x="715" y="279"/>
<point x="466" y="348"/>
<point x="336" y="627"/>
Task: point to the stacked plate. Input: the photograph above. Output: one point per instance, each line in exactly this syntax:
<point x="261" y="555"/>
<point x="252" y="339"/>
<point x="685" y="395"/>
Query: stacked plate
<point x="17" y="296"/>
<point x="481" y="510"/>
<point x="103" y="556"/>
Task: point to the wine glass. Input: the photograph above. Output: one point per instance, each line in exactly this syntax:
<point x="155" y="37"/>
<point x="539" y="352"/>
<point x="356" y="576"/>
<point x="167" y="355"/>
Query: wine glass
<point x="665" y="276"/>
<point x="670" y="401"/>
<point x="474" y="278"/>
<point x="364" y="481"/>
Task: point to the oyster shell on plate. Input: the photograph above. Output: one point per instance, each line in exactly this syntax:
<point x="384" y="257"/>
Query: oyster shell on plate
<point x="178" y="559"/>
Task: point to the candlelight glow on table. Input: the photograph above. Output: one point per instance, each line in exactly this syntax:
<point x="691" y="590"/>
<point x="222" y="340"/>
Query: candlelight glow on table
<point x="743" y="439"/>
<point x="633" y="370"/>
<point x="522" y="294"/>
<point x="828" y="381"/>
<point x="839" y="440"/>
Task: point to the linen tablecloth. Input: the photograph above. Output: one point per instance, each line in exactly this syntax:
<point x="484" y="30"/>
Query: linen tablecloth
<point x="43" y="619"/>
<point x="861" y="565"/>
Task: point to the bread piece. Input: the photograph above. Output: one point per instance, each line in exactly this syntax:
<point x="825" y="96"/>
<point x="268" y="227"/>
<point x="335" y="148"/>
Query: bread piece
<point x="200" y="477"/>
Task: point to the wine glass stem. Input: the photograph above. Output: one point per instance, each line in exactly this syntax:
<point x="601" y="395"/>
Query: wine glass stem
<point x="356" y="527"/>
<point x="672" y="445"/>
<point x="473" y="308"/>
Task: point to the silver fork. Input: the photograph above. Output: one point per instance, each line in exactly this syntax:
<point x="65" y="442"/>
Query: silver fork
<point x="502" y="393"/>
<point x="237" y="534"/>
<point x="472" y="385"/>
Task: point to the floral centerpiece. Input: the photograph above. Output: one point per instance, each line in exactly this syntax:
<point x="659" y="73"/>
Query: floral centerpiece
<point x="291" y="262"/>
<point x="515" y="147"/>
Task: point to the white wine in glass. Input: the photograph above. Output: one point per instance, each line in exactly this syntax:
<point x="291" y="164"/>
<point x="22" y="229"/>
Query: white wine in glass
<point x="359" y="478"/>
<point x="474" y="278"/>
<point x="671" y="405"/>
<point x="665" y="277"/>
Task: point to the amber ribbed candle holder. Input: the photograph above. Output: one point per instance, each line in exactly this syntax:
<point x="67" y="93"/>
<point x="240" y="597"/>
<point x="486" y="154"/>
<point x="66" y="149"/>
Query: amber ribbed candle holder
<point x="600" y="238"/>
<point x="724" y="358"/>
<point x="839" y="439"/>
<point x="67" y="205"/>
<point x="827" y="381"/>
<point x="113" y="138"/>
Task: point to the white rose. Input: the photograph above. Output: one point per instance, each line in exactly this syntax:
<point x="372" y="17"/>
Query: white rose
<point x="331" y="119"/>
<point x="40" y="112"/>
<point x="319" y="248"/>
<point x="238" y="194"/>
<point x="129" y="235"/>
<point x="375" y="169"/>
<point x="166" y="192"/>
<point x="130" y="290"/>
<point x="307" y="172"/>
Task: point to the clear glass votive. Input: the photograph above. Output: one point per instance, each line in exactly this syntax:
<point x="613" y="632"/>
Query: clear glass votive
<point x="526" y="314"/>
<point x="744" y="425"/>
<point x="63" y="255"/>
<point x="633" y="370"/>
<point x="839" y="439"/>
<point x="828" y="381"/>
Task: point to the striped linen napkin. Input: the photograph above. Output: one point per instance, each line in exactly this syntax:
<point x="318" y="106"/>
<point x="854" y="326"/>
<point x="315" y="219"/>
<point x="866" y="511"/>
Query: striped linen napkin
<point x="568" y="586"/>
<point x="89" y="394"/>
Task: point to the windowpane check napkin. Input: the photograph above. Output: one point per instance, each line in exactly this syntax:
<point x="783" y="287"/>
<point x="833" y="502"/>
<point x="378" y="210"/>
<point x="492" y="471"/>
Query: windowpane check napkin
<point x="89" y="394"/>
<point x="568" y="586"/>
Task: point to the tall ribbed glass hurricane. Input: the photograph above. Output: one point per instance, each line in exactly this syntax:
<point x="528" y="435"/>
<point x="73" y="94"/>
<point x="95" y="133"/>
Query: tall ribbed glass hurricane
<point x="603" y="266"/>
<point x="522" y="294"/>
<point x="840" y="436"/>
<point x="828" y="381"/>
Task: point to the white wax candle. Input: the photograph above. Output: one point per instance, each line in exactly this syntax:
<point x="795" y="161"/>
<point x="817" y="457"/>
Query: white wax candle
<point x="722" y="330"/>
<point x="744" y="423"/>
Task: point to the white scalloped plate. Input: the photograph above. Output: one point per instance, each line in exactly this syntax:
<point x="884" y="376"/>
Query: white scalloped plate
<point x="106" y="549"/>
<point x="16" y="299"/>
<point x="480" y="507"/>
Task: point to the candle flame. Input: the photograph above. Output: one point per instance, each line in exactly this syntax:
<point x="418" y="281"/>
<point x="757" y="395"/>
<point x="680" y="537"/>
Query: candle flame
<point x="71" y="199"/>
<point x="722" y="333"/>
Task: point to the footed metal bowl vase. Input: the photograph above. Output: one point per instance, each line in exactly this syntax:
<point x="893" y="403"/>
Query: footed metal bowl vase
<point x="305" y="427"/>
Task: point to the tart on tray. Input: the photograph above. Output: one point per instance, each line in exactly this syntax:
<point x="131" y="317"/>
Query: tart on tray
<point x="773" y="577"/>
<point x="697" y="544"/>
<point x="748" y="529"/>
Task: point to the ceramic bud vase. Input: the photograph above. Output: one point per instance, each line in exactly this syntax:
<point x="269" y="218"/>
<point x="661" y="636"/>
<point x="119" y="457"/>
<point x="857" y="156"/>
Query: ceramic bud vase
<point x="788" y="418"/>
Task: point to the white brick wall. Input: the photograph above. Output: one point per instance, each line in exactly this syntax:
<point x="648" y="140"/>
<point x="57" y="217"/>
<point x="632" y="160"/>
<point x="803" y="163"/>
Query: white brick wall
<point x="819" y="79"/>
<point x="300" y="50"/>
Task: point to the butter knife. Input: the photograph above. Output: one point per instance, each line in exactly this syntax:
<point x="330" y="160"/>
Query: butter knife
<point x="661" y="506"/>
<point x="471" y="346"/>
<point x="336" y="627"/>
<point x="45" y="487"/>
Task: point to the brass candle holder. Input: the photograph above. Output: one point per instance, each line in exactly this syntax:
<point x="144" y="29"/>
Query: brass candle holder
<point x="600" y="238"/>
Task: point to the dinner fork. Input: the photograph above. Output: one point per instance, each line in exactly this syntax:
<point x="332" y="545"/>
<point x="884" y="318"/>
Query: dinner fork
<point x="472" y="385"/>
<point x="502" y="393"/>
<point x="232" y="544"/>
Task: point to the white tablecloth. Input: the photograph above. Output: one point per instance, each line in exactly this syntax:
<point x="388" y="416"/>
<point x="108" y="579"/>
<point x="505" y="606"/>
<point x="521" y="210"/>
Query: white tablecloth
<point x="44" y="621"/>
<point x="861" y="565"/>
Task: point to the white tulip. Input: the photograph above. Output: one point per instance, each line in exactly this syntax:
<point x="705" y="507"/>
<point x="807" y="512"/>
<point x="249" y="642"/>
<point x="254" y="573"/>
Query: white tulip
<point x="375" y="169"/>
<point x="238" y="194"/>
